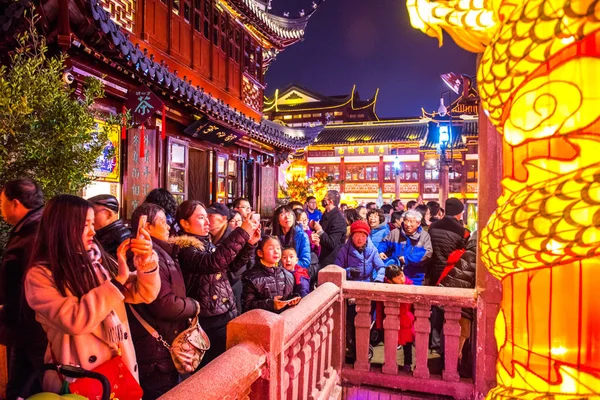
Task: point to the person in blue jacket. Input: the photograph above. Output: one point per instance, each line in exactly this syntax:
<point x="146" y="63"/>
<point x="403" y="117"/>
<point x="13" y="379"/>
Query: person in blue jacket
<point x="359" y="257"/>
<point x="409" y="246"/>
<point x="291" y="235"/>
<point x="378" y="225"/>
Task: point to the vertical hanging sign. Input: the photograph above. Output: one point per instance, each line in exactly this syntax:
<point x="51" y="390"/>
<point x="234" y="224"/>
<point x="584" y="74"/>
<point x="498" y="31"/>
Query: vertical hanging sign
<point x="141" y="167"/>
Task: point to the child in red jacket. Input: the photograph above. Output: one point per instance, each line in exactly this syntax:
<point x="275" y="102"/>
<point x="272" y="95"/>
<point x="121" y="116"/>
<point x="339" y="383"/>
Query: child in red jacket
<point x="406" y="336"/>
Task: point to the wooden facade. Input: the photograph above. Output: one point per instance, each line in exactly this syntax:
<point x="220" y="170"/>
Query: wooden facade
<point x="205" y="62"/>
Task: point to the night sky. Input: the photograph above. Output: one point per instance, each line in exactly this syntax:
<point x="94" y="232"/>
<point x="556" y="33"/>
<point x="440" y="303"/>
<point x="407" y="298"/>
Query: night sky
<point x="369" y="43"/>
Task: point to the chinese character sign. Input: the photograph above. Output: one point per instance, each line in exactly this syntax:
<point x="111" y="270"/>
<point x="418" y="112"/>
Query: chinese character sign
<point x="350" y="151"/>
<point x="141" y="168"/>
<point x="143" y="104"/>
<point x="212" y="132"/>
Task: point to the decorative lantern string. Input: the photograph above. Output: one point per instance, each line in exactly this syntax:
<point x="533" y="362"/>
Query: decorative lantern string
<point x="123" y="123"/>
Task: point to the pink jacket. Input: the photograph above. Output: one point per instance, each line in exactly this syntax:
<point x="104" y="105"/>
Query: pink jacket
<point x="74" y="326"/>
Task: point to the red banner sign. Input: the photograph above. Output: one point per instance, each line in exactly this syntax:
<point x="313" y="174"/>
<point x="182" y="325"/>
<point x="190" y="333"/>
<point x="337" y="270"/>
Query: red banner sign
<point x="143" y="104"/>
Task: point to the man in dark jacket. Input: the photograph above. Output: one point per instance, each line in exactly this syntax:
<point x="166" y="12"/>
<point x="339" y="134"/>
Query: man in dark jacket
<point x="110" y="230"/>
<point x="21" y="206"/>
<point x="447" y="235"/>
<point x="331" y="230"/>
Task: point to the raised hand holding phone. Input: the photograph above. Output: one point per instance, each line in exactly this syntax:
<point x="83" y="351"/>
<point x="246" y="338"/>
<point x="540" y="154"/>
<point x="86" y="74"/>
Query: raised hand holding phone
<point x="249" y="224"/>
<point x="141" y="245"/>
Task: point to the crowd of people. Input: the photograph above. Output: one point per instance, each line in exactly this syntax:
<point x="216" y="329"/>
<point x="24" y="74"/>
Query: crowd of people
<point x="78" y="284"/>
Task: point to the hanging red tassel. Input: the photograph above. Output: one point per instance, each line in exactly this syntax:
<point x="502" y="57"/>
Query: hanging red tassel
<point x="163" y="130"/>
<point x="142" y="140"/>
<point x="123" y="122"/>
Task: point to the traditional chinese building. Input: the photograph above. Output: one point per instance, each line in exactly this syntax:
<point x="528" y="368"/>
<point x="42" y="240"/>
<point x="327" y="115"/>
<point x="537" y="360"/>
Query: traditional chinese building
<point x="192" y="74"/>
<point x="297" y="106"/>
<point x="401" y="155"/>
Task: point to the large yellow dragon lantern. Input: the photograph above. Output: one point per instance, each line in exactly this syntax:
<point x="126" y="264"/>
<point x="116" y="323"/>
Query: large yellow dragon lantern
<point x="539" y="81"/>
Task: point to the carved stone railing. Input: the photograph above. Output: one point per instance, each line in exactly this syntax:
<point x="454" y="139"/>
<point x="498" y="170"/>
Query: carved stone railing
<point x="299" y="354"/>
<point x="276" y="356"/>
<point x="422" y="298"/>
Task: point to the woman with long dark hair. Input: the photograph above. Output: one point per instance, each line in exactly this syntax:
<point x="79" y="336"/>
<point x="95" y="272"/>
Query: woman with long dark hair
<point x="290" y="234"/>
<point x="78" y="292"/>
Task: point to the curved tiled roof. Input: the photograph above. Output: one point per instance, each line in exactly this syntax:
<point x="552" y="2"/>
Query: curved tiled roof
<point x="373" y="133"/>
<point x="158" y="74"/>
<point x="282" y="27"/>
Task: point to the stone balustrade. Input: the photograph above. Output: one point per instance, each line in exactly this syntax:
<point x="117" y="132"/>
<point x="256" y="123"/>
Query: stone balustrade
<point x="276" y="356"/>
<point x="300" y="353"/>
<point x="362" y="372"/>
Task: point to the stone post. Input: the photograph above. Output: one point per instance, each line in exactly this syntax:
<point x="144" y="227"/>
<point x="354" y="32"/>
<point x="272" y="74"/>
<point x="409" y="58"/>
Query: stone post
<point x="264" y="329"/>
<point x="337" y="276"/>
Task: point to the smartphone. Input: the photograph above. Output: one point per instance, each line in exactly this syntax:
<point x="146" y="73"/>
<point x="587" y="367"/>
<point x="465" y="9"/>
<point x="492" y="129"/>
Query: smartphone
<point x="256" y="217"/>
<point x="141" y="224"/>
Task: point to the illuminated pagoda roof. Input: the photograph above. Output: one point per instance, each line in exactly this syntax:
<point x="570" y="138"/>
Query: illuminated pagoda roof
<point x="412" y="130"/>
<point x="281" y="30"/>
<point x="296" y="98"/>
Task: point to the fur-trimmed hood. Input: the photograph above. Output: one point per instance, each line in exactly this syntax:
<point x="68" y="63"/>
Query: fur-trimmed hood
<point x="184" y="241"/>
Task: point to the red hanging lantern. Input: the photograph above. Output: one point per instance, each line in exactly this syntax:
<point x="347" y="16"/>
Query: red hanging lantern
<point x="163" y="130"/>
<point x="142" y="140"/>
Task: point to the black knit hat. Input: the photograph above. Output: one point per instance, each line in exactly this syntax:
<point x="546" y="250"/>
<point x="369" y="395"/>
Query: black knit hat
<point x="106" y="200"/>
<point x="454" y="207"/>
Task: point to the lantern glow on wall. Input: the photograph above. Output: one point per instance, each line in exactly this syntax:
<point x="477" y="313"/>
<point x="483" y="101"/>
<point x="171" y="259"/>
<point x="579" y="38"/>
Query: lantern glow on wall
<point x="538" y="81"/>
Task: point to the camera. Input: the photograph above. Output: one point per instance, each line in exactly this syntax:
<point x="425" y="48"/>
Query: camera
<point x="68" y="77"/>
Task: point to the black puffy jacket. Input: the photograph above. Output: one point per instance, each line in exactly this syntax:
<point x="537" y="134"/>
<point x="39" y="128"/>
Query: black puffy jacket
<point x="447" y="235"/>
<point x="18" y="326"/>
<point x="213" y="290"/>
<point x="262" y="284"/>
<point x="112" y="235"/>
<point x="168" y="314"/>
<point x="199" y="258"/>
<point x="463" y="273"/>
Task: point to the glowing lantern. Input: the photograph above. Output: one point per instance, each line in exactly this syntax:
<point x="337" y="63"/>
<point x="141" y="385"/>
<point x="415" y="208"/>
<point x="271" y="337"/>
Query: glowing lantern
<point x="296" y="169"/>
<point x="538" y="85"/>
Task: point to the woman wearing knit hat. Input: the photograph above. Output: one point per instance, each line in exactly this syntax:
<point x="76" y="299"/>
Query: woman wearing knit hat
<point x="359" y="257"/>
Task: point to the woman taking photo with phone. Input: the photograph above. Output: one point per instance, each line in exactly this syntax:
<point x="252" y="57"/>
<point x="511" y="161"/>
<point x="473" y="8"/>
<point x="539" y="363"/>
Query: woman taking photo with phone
<point x="205" y="269"/>
<point x="168" y="314"/>
<point x="78" y="292"/>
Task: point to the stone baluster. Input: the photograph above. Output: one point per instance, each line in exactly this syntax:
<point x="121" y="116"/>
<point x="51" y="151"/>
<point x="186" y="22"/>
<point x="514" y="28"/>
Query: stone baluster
<point x="330" y="344"/>
<point x="452" y="336"/>
<point x="293" y="368"/>
<point x="323" y="351"/>
<point x="315" y="343"/>
<point x="422" y="329"/>
<point x="391" y="328"/>
<point x="306" y="354"/>
<point x="362" y="325"/>
<point x="337" y="339"/>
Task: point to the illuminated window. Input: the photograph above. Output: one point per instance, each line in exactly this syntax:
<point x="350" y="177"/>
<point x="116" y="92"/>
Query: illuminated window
<point x="287" y="117"/>
<point x="472" y="171"/>
<point x="316" y="115"/>
<point x="305" y="115"/>
<point x="337" y="113"/>
<point x="331" y="170"/>
<point x="176" y="7"/>
<point x="296" y="116"/>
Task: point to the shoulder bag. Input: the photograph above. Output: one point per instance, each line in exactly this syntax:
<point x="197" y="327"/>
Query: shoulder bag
<point x="188" y="348"/>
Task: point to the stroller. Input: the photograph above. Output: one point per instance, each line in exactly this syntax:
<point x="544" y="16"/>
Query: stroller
<point x="68" y="371"/>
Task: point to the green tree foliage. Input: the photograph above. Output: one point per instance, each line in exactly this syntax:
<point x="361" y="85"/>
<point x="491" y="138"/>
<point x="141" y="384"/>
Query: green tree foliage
<point x="46" y="131"/>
